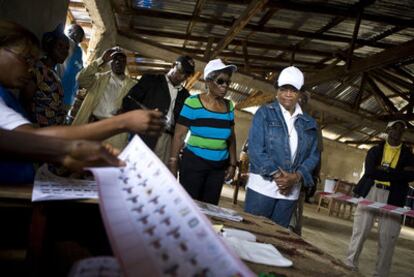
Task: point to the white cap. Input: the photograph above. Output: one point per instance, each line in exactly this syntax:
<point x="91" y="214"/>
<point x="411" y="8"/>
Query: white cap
<point x="291" y="76"/>
<point x="391" y="123"/>
<point x="215" y="65"/>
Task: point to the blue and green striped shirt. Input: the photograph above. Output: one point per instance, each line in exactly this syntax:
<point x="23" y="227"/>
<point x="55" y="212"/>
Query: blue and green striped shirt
<point x="209" y="130"/>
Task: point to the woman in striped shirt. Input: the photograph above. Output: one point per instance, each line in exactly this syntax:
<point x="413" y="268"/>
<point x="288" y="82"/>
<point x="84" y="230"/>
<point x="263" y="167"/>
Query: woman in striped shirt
<point x="209" y="156"/>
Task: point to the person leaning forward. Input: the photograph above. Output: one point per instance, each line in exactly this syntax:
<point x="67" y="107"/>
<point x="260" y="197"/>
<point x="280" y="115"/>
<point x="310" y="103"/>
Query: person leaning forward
<point x="165" y="93"/>
<point x="385" y="180"/>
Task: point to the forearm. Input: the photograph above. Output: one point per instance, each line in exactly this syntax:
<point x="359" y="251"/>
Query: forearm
<point x="99" y="130"/>
<point x="21" y="146"/>
<point x="86" y="76"/>
<point x="178" y="140"/>
<point x="232" y="149"/>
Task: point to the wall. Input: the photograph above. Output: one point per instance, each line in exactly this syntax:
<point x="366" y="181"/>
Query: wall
<point x="39" y="16"/>
<point x="338" y="160"/>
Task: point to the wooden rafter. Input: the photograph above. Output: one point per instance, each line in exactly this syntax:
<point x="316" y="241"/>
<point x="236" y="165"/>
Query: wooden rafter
<point x="384" y="58"/>
<point x="384" y="101"/>
<point x="235" y="42"/>
<point x="386" y="83"/>
<point x="251" y="10"/>
<point x="227" y="22"/>
<point x="347" y="132"/>
<point x="246" y="58"/>
<point x="197" y="9"/>
<point x="358" y="100"/>
<point x="354" y="38"/>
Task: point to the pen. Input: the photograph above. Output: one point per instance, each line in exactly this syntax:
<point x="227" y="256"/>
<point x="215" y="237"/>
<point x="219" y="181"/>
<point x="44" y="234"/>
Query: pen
<point x="145" y="108"/>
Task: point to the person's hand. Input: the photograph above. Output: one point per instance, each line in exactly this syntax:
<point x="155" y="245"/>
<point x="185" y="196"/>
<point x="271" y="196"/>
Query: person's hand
<point x="82" y="153"/>
<point x="286" y="180"/>
<point x="148" y="122"/>
<point x="172" y="165"/>
<point x="231" y="169"/>
<point x="106" y="57"/>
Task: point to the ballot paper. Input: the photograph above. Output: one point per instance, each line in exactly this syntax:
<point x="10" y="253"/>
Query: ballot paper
<point x="255" y="252"/>
<point x="154" y="227"/>
<point x="216" y="211"/>
<point x="47" y="186"/>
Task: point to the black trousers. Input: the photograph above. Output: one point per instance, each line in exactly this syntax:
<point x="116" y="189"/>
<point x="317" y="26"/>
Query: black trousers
<point x="202" y="179"/>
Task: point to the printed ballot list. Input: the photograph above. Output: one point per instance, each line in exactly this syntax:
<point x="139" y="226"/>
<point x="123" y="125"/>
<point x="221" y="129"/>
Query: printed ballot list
<point x="154" y="227"/>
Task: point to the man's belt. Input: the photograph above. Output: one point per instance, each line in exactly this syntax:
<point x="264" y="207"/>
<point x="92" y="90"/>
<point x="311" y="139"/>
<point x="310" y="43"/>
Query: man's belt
<point x="381" y="186"/>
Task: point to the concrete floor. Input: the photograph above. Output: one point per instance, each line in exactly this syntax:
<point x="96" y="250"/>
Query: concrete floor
<point x="332" y="235"/>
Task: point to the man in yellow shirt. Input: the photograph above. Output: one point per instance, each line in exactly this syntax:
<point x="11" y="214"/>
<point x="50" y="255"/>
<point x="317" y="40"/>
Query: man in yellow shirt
<point x="386" y="181"/>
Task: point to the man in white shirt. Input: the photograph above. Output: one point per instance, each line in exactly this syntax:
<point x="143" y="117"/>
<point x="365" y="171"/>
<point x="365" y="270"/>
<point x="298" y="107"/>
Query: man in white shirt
<point x="282" y="151"/>
<point x="105" y="91"/>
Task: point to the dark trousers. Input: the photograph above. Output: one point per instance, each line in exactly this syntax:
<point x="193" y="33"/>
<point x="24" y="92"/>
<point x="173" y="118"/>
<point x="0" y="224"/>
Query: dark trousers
<point x="201" y="179"/>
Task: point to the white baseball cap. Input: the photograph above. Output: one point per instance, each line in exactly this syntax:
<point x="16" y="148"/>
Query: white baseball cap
<point x="215" y="65"/>
<point x="291" y="76"/>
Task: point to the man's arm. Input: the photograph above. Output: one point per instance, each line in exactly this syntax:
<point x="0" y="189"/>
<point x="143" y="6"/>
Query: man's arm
<point x="87" y="76"/>
<point x="75" y="154"/>
<point x="141" y="121"/>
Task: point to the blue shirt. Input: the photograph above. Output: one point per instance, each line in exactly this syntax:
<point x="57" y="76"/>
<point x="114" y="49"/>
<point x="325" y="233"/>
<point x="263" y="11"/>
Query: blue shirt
<point x="73" y="65"/>
<point x="210" y="130"/>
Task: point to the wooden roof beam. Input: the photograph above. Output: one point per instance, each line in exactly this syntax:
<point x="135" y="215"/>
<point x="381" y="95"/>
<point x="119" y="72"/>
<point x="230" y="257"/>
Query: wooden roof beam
<point x="354" y="38"/>
<point x="384" y="58"/>
<point x="197" y="9"/>
<point x="236" y="42"/>
<point x="387" y="84"/>
<point x="380" y="97"/>
<point x="249" y="27"/>
<point x="251" y="10"/>
<point x="358" y="99"/>
<point x="153" y="49"/>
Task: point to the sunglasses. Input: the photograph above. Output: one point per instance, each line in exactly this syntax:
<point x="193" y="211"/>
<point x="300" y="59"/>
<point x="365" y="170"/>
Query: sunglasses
<point x="29" y="60"/>
<point x="221" y="82"/>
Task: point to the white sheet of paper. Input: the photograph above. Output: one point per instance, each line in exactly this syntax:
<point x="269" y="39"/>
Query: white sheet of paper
<point x="154" y="226"/>
<point x="261" y="253"/>
<point x="216" y="211"/>
<point x="48" y="186"/>
<point x="240" y="234"/>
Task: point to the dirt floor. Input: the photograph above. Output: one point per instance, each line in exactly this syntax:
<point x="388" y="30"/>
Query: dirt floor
<point x="332" y="235"/>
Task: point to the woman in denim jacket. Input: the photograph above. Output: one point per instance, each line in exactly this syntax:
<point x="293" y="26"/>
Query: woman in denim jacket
<point x="283" y="151"/>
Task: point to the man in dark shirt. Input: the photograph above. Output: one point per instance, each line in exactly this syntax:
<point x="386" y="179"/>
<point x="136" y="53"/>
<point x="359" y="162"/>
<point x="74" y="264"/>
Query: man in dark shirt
<point x="385" y="180"/>
<point x="165" y="93"/>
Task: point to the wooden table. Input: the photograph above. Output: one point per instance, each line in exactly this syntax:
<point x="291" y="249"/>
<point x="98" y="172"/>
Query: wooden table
<point x="308" y="260"/>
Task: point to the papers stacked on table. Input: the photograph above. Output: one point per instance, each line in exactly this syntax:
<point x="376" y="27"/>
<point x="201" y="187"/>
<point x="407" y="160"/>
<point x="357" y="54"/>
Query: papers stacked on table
<point x="48" y="187"/>
<point x="216" y="211"/>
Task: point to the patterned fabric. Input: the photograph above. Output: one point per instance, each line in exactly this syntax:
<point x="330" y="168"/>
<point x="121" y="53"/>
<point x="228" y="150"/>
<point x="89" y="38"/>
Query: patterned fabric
<point x="209" y="130"/>
<point x="47" y="107"/>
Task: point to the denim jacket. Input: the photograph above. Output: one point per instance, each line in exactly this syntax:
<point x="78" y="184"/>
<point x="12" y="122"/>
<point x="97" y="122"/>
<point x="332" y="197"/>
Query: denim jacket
<point x="269" y="144"/>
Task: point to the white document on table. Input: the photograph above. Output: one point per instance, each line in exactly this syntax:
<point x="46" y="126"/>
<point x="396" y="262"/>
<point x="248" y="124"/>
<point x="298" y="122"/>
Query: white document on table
<point x="261" y="253"/>
<point x="47" y="186"/>
<point x="154" y="227"/>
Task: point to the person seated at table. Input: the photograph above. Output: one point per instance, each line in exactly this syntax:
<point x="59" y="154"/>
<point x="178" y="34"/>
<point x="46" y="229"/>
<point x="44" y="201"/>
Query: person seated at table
<point x="43" y="95"/>
<point x="283" y="151"/>
<point x="209" y="157"/>
<point x="18" y="52"/>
